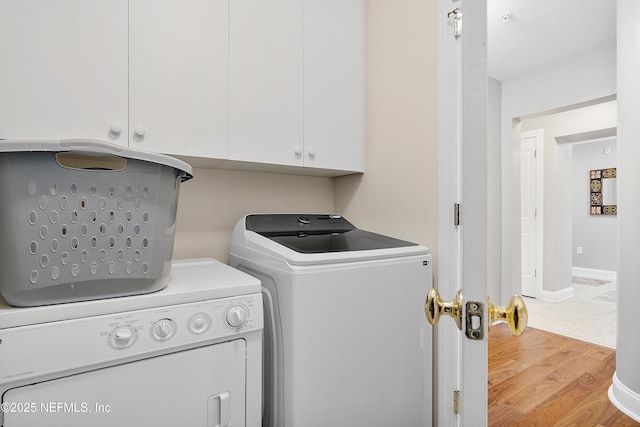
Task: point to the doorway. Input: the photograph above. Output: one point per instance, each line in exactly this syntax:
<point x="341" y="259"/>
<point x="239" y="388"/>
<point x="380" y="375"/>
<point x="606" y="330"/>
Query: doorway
<point x="592" y="286"/>
<point x="562" y="279"/>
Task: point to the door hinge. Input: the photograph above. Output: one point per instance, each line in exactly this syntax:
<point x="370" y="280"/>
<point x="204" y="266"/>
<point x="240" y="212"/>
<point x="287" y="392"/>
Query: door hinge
<point x="457" y="21"/>
<point x="456" y="214"/>
<point x="456" y="401"/>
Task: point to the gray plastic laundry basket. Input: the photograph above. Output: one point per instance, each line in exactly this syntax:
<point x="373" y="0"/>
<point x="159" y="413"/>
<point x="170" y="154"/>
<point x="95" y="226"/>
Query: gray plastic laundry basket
<point x="83" y="220"/>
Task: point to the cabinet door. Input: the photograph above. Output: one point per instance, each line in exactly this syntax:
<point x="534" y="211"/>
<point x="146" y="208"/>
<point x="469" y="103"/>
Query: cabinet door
<point x="178" y="77"/>
<point x="265" y="81"/>
<point x="333" y="84"/>
<point x="64" y="69"/>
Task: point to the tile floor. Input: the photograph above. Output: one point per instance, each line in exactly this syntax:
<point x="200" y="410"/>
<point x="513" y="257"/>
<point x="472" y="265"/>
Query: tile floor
<point x="590" y="315"/>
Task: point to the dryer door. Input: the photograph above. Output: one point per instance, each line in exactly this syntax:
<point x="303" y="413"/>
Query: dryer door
<point x="199" y="387"/>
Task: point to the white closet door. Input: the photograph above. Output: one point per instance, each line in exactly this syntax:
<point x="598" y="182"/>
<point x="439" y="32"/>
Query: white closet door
<point x="528" y="182"/>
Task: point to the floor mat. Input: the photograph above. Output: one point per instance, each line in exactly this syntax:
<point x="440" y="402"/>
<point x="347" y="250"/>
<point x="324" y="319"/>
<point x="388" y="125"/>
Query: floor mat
<point x="588" y="281"/>
<point x="608" y="296"/>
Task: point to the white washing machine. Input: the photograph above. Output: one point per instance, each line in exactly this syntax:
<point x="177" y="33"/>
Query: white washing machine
<point x="346" y="341"/>
<point x="187" y="355"/>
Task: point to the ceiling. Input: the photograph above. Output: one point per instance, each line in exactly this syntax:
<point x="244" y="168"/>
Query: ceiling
<point x="538" y="33"/>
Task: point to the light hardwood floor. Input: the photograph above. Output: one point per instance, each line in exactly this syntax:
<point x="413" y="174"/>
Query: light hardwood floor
<point x="543" y="379"/>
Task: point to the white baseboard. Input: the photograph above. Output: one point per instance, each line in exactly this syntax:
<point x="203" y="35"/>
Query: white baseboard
<point x="625" y="399"/>
<point x="594" y="274"/>
<point x="555" y="296"/>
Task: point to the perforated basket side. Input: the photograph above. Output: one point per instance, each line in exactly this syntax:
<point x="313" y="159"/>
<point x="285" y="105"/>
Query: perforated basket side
<point x="68" y="226"/>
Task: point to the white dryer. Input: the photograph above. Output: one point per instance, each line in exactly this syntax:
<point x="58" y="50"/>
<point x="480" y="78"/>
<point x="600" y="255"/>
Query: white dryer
<point x="187" y="355"/>
<point x="346" y="341"/>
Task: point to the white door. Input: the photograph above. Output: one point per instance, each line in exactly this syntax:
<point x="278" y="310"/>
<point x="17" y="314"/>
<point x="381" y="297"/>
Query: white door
<point x="461" y="369"/>
<point x="531" y="185"/>
<point x="473" y="213"/>
<point x="528" y="213"/>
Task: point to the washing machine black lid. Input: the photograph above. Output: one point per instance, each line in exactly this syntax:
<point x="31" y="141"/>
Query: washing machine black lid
<point x="310" y="234"/>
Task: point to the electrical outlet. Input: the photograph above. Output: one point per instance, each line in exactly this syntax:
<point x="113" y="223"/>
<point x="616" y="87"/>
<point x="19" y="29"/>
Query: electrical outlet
<point x="579" y="250"/>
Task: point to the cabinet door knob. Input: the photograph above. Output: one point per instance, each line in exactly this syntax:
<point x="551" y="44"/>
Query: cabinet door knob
<point x="298" y="151"/>
<point x="139" y="131"/>
<point x="115" y="127"/>
<point x="312" y="153"/>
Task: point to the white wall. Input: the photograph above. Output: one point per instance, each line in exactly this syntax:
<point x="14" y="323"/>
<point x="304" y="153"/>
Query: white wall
<point x="558" y="177"/>
<point x="397" y="195"/>
<point x="597" y="235"/>
<point x="625" y="391"/>
<point x="575" y="81"/>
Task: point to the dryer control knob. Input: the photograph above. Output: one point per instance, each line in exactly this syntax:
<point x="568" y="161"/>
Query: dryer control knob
<point x="199" y="323"/>
<point x="163" y="329"/>
<point x="237" y="316"/>
<point x="122" y="337"/>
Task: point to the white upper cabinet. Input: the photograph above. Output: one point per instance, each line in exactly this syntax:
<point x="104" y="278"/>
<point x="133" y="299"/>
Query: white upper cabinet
<point x="64" y="69"/>
<point x="149" y="74"/>
<point x="333" y="84"/>
<point x="265" y="81"/>
<point x="296" y="83"/>
<point x="178" y="76"/>
<point x="276" y="82"/>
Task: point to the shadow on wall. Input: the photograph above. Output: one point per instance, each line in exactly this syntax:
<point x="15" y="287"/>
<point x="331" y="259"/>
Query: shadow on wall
<point x="346" y="190"/>
<point x="211" y="204"/>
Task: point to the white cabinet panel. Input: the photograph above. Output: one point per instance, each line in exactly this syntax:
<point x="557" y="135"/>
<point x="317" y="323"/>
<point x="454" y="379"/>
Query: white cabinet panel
<point x="178" y="77"/>
<point x="265" y="81"/>
<point x="275" y="83"/>
<point x="333" y="84"/>
<point x="64" y="69"/>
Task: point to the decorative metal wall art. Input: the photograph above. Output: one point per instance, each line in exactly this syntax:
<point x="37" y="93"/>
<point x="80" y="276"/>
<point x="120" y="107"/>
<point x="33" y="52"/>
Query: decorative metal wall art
<point x="603" y="192"/>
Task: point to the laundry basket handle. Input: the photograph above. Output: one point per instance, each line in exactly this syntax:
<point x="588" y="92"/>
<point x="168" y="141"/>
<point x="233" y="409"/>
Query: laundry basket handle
<point x="97" y="148"/>
<point x="91" y="154"/>
<point x="91" y="145"/>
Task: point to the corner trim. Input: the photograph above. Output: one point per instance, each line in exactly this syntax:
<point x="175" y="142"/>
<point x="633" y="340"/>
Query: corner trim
<point x="625" y="399"/>
<point x="557" y="296"/>
<point x="594" y="274"/>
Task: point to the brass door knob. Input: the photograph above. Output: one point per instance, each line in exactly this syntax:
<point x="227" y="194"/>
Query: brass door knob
<point x="515" y="314"/>
<point x="434" y="307"/>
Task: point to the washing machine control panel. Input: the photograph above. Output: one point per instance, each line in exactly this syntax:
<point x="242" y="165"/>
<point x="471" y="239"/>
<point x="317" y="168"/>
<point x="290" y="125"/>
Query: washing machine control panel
<point x="126" y="335"/>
